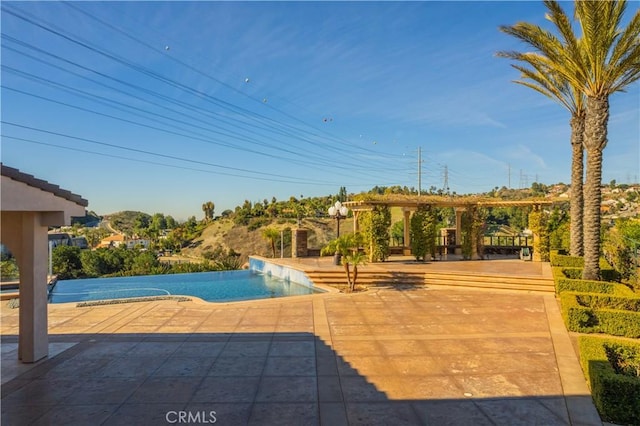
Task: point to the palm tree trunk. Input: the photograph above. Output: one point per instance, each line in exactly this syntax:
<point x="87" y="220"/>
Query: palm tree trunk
<point x="346" y="269"/>
<point x="355" y="276"/>
<point x="577" y="175"/>
<point x="595" y="139"/>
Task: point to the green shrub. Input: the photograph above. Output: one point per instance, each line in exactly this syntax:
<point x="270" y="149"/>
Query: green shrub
<point x="9" y="270"/>
<point x="605" y="301"/>
<point x="538" y="223"/>
<point x="616" y="396"/>
<point x="257" y="223"/>
<point x="572" y="273"/>
<point x="566" y="261"/>
<point x="623" y="359"/>
<point x="566" y="284"/>
<point x="607" y="272"/>
<point x="589" y="319"/>
<point x="374" y="225"/>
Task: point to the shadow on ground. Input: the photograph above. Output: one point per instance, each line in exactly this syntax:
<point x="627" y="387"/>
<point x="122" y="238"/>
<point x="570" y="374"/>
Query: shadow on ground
<point x="245" y="378"/>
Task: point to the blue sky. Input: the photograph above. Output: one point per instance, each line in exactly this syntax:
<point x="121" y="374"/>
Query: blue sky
<point x="161" y="106"/>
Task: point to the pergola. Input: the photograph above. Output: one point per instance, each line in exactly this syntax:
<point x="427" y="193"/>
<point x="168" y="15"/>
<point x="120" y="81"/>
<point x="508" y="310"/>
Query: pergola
<point x="29" y="207"/>
<point x="410" y="204"/>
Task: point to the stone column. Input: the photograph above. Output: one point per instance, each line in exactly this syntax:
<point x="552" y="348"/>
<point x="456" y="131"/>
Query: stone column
<point x="26" y="237"/>
<point x="459" y="211"/>
<point x="407" y="233"/>
<point x="299" y="243"/>
<point x="356" y="214"/>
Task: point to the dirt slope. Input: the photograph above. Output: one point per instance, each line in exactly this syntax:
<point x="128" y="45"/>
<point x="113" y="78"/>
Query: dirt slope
<point x="224" y="233"/>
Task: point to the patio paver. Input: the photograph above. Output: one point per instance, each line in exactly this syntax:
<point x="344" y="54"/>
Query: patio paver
<point x="389" y="356"/>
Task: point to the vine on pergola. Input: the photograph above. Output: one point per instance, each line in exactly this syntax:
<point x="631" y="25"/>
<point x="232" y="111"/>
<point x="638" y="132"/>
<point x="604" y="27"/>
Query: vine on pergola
<point x="538" y="224"/>
<point x="374" y="225"/>
<point x="472" y="230"/>
<point x="423" y="232"/>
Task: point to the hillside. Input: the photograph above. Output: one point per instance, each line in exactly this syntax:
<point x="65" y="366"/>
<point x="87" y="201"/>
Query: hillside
<point x="223" y="233"/>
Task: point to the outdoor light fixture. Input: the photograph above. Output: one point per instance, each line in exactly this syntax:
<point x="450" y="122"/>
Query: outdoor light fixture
<point x="338" y="211"/>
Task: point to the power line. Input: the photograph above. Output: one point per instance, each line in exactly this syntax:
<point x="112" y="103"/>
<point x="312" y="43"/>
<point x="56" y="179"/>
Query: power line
<point x="150" y="73"/>
<point x="235" y="134"/>
<point x="200" y="72"/>
<point x="142" y="151"/>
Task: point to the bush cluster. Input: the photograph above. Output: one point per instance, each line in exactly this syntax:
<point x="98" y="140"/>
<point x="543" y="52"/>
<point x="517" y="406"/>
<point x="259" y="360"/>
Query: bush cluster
<point x="603" y="307"/>
<point x="590" y="313"/>
<point x="616" y="395"/>
<point x="567" y="284"/>
<point x="71" y="262"/>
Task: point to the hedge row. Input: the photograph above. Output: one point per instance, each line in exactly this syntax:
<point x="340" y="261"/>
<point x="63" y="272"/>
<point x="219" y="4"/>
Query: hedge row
<point x="593" y="319"/>
<point x="557" y="259"/>
<point x="616" y="396"/>
<point x="606" y="301"/>
<point x="576" y="273"/>
<point x="567" y="284"/>
<point x="573" y="266"/>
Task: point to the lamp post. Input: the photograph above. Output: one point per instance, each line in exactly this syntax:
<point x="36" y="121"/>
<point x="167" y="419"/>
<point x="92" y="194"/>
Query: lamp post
<point x="338" y="211"/>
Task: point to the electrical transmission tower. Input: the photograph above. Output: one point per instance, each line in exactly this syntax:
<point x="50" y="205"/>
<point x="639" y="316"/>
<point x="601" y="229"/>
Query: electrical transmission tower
<point x="445" y="184"/>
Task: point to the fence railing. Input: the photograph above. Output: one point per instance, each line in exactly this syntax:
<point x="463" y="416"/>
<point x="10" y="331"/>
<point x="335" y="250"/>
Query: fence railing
<point x="489" y="241"/>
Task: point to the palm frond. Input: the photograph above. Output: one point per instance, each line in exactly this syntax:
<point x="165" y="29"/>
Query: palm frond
<point x="546" y="85"/>
<point x="560" y="19"/>
<point x="604" y="59"/>
<point x="627" y="41"/>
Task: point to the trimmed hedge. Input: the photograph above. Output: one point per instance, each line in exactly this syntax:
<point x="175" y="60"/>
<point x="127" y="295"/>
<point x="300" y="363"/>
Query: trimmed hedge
<point x="616" y="396"/>
<point x="607" y="274"/>
<point x="605" y="301"/>
<point x="564" y="260"/>
<point x="566" y="284"/>
<point x="593" y="319"/>
<point x="563" y="283"/>
<point x="573" y="266"/>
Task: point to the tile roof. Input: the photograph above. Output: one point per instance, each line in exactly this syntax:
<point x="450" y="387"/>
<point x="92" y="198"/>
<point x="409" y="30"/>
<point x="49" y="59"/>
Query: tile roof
<point x="30" y="180"/>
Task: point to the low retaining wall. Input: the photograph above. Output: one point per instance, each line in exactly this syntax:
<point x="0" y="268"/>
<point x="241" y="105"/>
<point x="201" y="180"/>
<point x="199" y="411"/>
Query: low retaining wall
<point x="263" y="266"/>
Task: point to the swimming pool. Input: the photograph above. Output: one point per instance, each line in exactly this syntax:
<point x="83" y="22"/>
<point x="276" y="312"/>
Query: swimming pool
<point x="224" y="286"/>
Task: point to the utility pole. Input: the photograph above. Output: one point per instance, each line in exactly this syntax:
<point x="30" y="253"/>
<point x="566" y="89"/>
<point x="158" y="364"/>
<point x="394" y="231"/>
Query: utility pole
<point x="520" y="182"/>
<point x="419" y="170"/>
<point x="509" y="184"/>
<point x="446" y="180"/>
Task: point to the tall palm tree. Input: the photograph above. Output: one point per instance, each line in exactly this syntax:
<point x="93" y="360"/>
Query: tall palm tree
<point x="604" y="60"/>
<point x="539" y="78"/>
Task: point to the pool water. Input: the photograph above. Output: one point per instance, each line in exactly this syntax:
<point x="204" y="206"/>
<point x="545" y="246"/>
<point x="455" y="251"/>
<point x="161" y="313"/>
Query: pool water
<point x="224" y="286"/>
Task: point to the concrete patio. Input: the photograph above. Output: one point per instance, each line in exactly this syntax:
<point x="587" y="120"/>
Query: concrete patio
<point x="388" y="356"/>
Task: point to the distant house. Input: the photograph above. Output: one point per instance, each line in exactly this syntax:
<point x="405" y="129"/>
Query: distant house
<point x="137" y="242"/>
<point x="60" y="239"/>
<point x="119" y="240"/>
<point x="112" y="241"/>
<point x="80" y="242"/>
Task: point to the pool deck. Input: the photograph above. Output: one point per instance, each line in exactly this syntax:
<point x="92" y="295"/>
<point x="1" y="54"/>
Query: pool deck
<point x="419" y="355"/>
<point x="505" y="266"/>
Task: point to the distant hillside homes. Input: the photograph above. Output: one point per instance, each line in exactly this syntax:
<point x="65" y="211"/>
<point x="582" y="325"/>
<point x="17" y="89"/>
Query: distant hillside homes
<point x="119" y="239"/>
